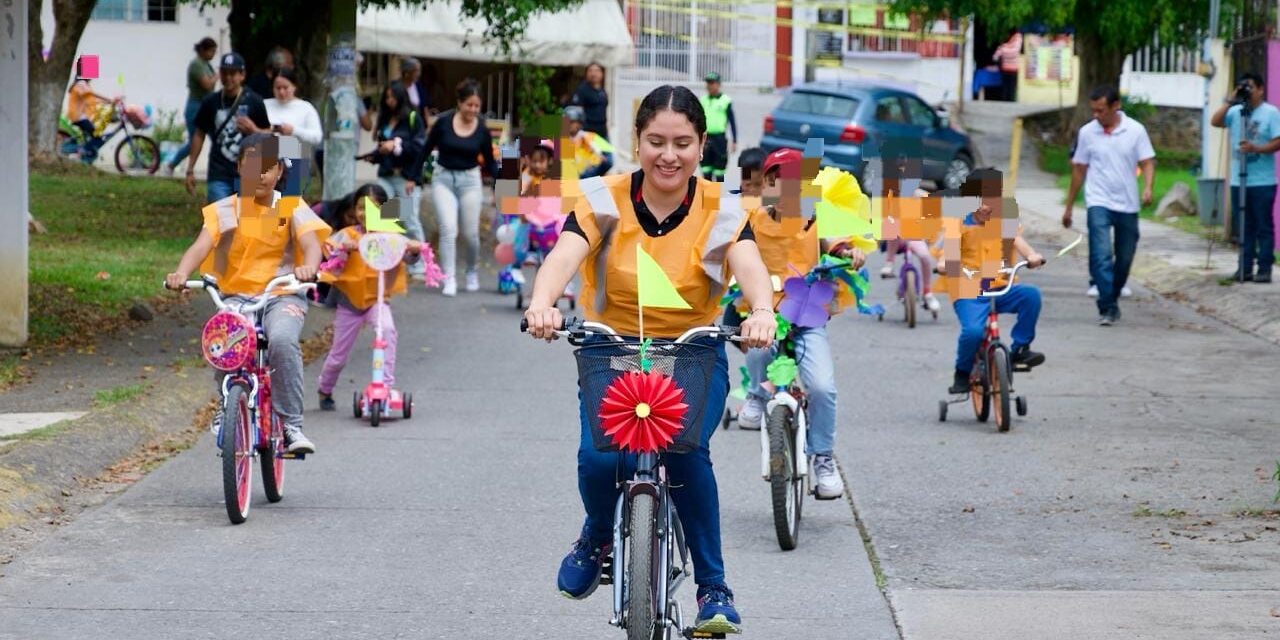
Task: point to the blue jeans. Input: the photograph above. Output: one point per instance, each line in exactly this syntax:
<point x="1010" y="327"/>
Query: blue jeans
<point x="216" y="190"/>
<point x="189" y="117"/>
<point x="1110" y="271"/>
<point x="1259" y="228"/>
<point x="396" y="187"/>
<point x="1022" y="300"/>
<point x="601" y="169"/>
<point x="817" y="374"/>
<point x="694" y="491"/>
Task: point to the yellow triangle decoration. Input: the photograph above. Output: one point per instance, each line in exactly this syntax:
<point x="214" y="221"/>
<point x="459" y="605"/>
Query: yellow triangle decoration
<point x="373" y="220"/>
<point x="654" y="286"/>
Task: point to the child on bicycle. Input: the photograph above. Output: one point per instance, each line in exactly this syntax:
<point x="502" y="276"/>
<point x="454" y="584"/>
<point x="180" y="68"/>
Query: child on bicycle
<point x="247" y="240"/>
<point x="356" y="299"/>
<point x="790" y="246"/>
<point x="981" y="243"/>
<point x="86" y="110"/>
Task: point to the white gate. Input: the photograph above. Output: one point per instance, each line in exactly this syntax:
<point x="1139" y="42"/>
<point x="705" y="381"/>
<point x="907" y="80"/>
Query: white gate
<point x="684" y="41"/>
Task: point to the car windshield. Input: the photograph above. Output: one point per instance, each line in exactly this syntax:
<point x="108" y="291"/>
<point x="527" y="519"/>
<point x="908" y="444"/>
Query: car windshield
<point x="820" y="104"/>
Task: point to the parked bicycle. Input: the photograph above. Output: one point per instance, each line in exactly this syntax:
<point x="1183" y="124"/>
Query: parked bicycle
<point x="136" y="154"/>
<point x="234" y="343"/>
<point x="650" y="558"/>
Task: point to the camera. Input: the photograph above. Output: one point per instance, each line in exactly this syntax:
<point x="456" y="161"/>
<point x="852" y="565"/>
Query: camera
<point x="1243" y="93"/>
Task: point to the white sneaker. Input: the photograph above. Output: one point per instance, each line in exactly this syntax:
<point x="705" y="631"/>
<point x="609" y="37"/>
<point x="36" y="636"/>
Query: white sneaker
<point x="1126" y="292"/>
<point x="473" y="281"/>
<point x="450" y="288"/>
<point x="829" y="484"/>
<point x="517" y="276"/>
<point x="886" y="271"/>
<point x="1093" y="291"/>
<point x="752" y="414"/>
<point x="931" y="303"/>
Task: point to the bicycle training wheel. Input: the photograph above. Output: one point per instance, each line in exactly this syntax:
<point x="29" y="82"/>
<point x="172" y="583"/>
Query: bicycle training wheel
<point x="642" y="570"/>
<point x="786" y="487"/>
<point x="998" y="373"/>
<point x="909" y="297"/>
<point x="237" y="455"/>
<point x="137" y="154"/>
<point x="375" y="413"/>
<point x="980" y="395"/>
<point x="271" y="459"/>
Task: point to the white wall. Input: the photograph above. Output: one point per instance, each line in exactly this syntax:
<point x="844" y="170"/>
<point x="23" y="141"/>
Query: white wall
<point x="1165" y="89"/>
<point x="753" y="60"/>
<point x="153" y="56"/>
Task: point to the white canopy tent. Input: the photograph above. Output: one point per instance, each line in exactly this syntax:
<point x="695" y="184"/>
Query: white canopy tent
<point x="594" y="31"/>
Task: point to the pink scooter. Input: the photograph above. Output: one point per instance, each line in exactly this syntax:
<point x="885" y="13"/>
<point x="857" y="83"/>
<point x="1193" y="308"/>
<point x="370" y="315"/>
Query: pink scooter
<point x="382" y="252"/>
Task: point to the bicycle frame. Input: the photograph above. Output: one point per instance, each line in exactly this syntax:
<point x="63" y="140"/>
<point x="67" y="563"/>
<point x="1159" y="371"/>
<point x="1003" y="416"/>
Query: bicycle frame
<point x="908" y="265"/>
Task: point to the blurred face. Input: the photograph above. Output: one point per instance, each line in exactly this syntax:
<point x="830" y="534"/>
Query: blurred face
<point x="1104" y="112"/>
<point x="574" y="127"/>
<point x="283" y="89"/>
<point x="255" y="181"/>
<point x="1256" y="92"/>
<point x="783" y="194"/>
<point x="207" y="54"/>
<point x="470" y="108"/>
<point x="595" y="75"/>
<point x="411" y="76"/>
<point x="713" y="88"/>
<point x="753" y="186"/>
<point x="538" y="164"/>
<point x="231" y="79"/>
<point x="389" y="99"/>
<point x="669" y="151"/>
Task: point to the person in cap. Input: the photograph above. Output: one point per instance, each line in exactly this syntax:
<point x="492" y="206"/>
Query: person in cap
<point x="789" y="244"/>
<point x="719" y="110"/>
<point x="593" y="153"/>
<point x="226" y="117"/>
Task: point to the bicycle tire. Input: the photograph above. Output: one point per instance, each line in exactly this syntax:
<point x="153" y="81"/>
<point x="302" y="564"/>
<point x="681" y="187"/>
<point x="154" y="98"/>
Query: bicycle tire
<point x="375" y="413"/>
<point x="786" y="489"/>
<point x="237" y="455"/>
<point x="909" y="297"/>
<point x="270" y="458"/>
<point x="980" y="396"/>
<point x="641" y="572"/>
<point x="142" y="154"/>
<point x="998" y="374"/>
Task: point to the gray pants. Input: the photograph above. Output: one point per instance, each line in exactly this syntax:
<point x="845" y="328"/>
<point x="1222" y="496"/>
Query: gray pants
<point x="457" y="196"/>
<point x="410" y="215"/>
<point x="282" y="322"/>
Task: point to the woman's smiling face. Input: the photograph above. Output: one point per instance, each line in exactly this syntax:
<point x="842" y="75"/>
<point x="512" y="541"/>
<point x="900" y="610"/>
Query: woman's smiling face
<point x="670" y="149"/>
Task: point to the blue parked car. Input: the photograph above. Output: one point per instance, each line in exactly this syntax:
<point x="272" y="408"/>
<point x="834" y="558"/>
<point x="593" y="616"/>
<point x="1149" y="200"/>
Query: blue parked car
<point x="848" y="115"/>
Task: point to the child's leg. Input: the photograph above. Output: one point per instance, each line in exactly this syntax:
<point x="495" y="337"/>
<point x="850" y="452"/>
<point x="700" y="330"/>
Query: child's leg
<point x="972" y="313"/>
<point x="921" y="249"/>
<point x="757" y="364"/>
<point x="346" y="326"/>
<point x="282" y="323"/>
<point x="1024" y="301"/>
<point x="818" y="373"/>
<point x="388" y="336"/>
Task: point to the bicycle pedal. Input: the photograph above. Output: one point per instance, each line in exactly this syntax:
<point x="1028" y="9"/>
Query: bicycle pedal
<point x="694" y="633"/>
<point x="294" y="456"/>
<point x="1021" y="368"/>
<point x="606" y="570"/>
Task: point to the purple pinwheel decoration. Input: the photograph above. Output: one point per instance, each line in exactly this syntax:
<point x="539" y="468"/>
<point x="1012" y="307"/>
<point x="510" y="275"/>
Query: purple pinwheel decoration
<point x="804" y="303"/>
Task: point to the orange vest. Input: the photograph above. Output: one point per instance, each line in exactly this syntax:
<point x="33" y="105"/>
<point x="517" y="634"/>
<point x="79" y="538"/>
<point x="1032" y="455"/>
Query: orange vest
<point x="253" y="244"/>
<point x="787" y="247"/>
<point x="359" y="283"/>
<point x="692" y="255"/>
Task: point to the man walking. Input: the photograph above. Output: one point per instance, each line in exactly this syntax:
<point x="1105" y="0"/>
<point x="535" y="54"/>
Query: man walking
<point x="226" y="116"/>
<point x="1108" y="148"/>
<point x="1254" y="128"/>
<point x="719" y="110"/>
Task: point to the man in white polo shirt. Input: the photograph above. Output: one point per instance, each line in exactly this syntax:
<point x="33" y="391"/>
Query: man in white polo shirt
<point x="1108" y="150"/>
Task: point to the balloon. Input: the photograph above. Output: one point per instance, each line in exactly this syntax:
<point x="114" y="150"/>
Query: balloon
<point x="505" y="253"/>
<point x="506" y="233"/>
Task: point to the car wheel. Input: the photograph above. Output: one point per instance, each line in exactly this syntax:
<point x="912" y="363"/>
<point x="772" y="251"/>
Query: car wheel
<point x="957" y="170"/>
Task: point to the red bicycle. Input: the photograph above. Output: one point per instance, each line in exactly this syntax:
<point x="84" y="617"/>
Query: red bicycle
<point x="234" y="343"/>
<point x="991" y="379"/>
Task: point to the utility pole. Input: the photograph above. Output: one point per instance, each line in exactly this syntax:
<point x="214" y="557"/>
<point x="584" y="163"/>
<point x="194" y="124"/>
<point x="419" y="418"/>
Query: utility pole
<point x="341" y="118"/>
<point x="13" y="180"/>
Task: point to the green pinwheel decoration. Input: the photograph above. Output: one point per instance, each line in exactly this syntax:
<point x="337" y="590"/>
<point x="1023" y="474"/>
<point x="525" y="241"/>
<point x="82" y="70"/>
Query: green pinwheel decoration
<point x="782" y="371"/>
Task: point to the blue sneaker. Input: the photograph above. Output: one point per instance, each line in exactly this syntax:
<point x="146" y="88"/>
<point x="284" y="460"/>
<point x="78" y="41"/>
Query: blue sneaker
<point x="580" y="570"/>
<point x="716" y="613"/>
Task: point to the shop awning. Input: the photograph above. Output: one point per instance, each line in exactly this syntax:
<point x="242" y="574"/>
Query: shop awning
<point x="594" y="31"/>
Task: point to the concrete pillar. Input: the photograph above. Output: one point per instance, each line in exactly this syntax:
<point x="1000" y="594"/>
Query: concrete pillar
<point x="782" y="46"/>
<point x="13" y="180"/>
<point x="342" y="124"/>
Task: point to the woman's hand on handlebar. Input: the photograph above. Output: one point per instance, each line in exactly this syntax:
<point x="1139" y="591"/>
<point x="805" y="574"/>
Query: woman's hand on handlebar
<point x="544" y="321"/>
<point x="759" y="328"/>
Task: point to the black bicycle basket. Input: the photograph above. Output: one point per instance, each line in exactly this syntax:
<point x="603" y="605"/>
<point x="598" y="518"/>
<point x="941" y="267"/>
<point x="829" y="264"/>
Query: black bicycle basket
<point x="689" y="364"/>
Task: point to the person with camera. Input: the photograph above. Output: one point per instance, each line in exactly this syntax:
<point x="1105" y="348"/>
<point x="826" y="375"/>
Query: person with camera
<point x="1254" y="133"/>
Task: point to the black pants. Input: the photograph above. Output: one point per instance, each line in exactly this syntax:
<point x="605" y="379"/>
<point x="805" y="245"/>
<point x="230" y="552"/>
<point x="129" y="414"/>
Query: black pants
<point x="1009" y="85"/>
<point x="715" y="157"/>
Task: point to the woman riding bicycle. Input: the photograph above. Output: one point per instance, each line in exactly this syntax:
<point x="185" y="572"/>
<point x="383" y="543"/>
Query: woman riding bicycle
<point x="674" y="216"/>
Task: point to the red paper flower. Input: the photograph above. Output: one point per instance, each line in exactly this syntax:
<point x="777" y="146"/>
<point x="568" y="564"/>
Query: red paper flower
<point x="642" y="412"/>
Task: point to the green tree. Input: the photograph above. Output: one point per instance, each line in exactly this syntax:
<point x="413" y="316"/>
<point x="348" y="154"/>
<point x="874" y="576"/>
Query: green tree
<point x="1105" y="30"/>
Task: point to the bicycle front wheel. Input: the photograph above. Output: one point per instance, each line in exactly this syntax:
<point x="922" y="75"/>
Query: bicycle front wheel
<point x="999" y="382"/>
<point x="237" y="454"/>
<point x="271" y="458"/>
<point x="642" y="570"/>
<point x="786" y="487"/>
<point x="137" y="154"/>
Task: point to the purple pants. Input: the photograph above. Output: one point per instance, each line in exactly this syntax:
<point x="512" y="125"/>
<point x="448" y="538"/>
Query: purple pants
<point x="346" y="327"/>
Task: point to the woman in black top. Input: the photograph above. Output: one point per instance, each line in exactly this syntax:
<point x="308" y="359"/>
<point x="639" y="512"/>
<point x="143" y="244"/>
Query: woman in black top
<point x="464" y="142"/>
<point x="594" y="101"/>
<point x="398" y="135"/>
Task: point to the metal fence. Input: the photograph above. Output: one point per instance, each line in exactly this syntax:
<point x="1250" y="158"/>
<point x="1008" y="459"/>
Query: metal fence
<point x="1165" y="58"/>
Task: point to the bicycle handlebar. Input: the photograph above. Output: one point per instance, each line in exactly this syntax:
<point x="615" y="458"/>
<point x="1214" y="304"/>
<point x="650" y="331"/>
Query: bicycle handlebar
<point x="1012" y="272"/>
<point x="287" y="284"/>
<point x="576" y="331"/>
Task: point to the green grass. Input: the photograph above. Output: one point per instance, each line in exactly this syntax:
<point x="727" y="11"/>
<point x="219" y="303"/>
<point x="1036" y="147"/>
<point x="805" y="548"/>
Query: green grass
<point x="11" y="370"/>
<point x="1144" y="511"/>
<point x="116" y="395"/>
<point x="110" y="241"/>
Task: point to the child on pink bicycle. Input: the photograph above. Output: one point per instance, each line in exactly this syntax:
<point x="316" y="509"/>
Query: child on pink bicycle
<point x="978" y="244"/>
<point x="247" y="240"/>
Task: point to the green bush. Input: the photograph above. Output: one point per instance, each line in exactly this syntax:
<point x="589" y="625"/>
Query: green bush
<point x="1137" y="108"/>
<point x="166" y="128"/>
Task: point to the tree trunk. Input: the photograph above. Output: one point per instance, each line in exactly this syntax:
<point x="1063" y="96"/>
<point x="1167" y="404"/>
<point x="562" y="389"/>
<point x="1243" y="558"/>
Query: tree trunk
<point x="49" y="78"/>
<point x="1100" y="63"/>
<point x="305" y="34"/>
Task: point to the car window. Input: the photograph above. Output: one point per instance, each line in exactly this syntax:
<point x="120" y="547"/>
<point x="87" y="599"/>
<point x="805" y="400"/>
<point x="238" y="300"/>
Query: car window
<point x="888" y="109"/>
<point x="920" y="113"/>
<point x="820" y="104"/>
